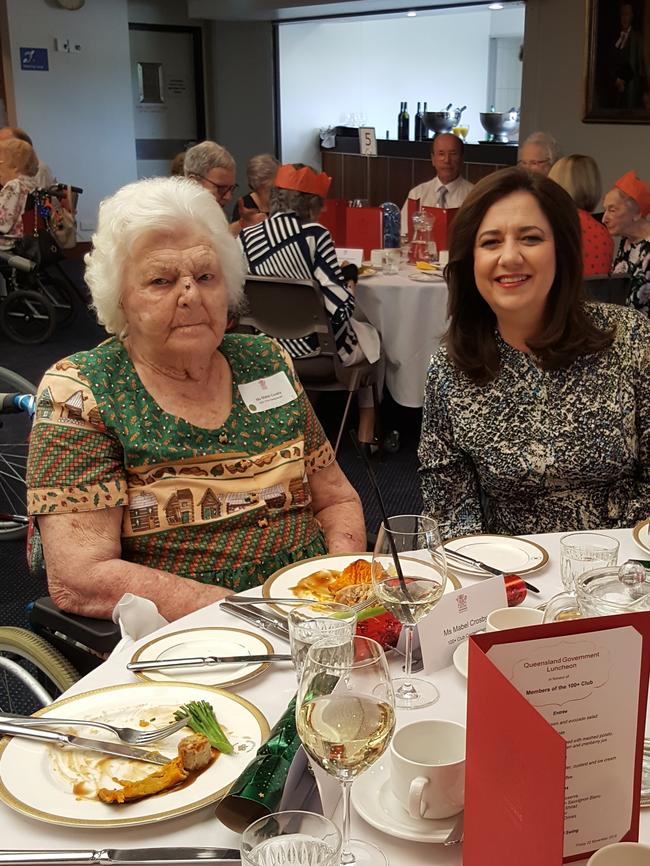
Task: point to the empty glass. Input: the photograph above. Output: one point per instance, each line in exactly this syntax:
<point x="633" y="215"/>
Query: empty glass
<point x="313" y="621"/>
<point x="291" y="839"/>
<point x="584" y="551"/>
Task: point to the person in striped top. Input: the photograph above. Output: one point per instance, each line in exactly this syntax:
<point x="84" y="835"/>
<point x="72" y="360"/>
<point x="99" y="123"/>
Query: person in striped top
<point x="292" y="244"/>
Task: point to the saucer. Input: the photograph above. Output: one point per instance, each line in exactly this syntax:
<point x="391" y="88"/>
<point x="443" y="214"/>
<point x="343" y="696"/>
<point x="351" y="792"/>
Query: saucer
<point x="460" y="658"/>
<point x="373" y="799"/>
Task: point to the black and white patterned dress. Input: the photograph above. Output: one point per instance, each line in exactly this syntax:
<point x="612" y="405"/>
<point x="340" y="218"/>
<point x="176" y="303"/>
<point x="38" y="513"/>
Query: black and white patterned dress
<point x="542" y="450"/>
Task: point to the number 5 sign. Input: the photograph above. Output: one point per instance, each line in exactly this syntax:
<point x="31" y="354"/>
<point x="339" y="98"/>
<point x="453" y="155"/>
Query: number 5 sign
<point x="367" y="141"/>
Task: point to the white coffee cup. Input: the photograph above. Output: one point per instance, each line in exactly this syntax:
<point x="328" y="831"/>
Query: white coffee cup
<point x="427" y="768"/>
<point x="513" y="617"/>
<point x="443" y="258"/>
<point x="621" y="854"/>
<point x="377" y="259"/>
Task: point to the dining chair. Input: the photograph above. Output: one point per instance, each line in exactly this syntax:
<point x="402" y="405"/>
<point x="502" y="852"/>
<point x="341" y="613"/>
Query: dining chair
<point x="609" y="290"/>
<point x="287" y="309"/>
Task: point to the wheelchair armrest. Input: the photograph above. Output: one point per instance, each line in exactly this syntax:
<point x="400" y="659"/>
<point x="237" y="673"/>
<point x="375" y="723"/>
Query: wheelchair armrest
<point x="100" y="635"/>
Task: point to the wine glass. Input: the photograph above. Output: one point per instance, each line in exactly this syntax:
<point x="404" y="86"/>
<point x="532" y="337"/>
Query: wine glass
<point x="416" y="543"/>
<point x="345" y="717"/>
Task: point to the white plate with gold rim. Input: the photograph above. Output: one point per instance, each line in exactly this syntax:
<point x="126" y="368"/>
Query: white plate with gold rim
<point x="215" y="641"/>
<point x="282" y="583"/>
<point x="508" y="553"/>
<point x="59" y="785"/>
<point x="374" y="801"/>
<point x="641" y="535"/>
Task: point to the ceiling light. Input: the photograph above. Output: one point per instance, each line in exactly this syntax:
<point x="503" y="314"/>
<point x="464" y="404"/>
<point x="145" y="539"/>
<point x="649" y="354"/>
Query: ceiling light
<point x="411" y="14"/>
<point x="495" y="7"/>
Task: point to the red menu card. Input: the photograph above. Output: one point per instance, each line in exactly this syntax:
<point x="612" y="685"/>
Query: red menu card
<point x="443" y="218"/>
<point x="364" y="228"/>
<point x="555" y="725"/>
<point x="333" y="218"/>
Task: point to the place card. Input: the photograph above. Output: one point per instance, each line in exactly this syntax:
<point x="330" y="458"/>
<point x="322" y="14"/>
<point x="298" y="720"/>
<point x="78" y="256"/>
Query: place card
<point x="456" y="616"/>
<point x="555" y="726"/>
<point x="350" y="255"/>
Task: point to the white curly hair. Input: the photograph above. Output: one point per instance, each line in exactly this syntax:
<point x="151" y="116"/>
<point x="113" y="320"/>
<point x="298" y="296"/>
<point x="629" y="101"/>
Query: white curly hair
<point x="171" y="204"/>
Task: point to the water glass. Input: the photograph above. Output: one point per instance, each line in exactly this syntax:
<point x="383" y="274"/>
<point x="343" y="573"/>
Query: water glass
<point x="291" y="839"/>
<point x="584" y="551"/>
<point x="391" y="261"/>
<point x="315" y="621"/>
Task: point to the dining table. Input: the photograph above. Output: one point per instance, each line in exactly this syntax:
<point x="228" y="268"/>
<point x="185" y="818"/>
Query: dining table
<point x="409" y="310"/>
<point x="271" y="692"/>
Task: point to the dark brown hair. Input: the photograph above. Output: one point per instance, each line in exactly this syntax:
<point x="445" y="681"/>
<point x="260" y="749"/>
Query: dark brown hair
<point x="568" y="331"/>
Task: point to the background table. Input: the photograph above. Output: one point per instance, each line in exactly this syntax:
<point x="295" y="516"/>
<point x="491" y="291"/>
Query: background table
<point x="271" y="692"/>
<point x="411" y="317"/>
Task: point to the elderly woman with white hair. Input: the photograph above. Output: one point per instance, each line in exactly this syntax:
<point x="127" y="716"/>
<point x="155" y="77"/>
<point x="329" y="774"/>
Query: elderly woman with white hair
<point x="627" y="207"/>
<point x="176" y="461"/>
<point x="538" y="153"/>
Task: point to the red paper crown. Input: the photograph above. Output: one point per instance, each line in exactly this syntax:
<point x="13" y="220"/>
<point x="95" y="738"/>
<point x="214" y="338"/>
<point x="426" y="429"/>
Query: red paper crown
<point x="303" y="180"/>
<point x="636" y="189"/>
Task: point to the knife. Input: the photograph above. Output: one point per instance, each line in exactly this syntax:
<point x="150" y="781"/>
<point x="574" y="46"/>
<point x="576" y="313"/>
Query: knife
<point x="197" y="661"/>
<point x="122" y="855"/>
<point x="259" y="618"/>
<point x="83" y="743"/>
<point x="489" y="568"/>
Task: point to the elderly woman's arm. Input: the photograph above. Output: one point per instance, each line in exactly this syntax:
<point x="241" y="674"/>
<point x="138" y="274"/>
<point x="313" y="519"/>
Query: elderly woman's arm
<point x="337" y="508"/>
<point x="87" y="576"/>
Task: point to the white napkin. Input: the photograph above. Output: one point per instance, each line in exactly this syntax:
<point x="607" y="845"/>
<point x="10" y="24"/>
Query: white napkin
<point x="136" y="617"/>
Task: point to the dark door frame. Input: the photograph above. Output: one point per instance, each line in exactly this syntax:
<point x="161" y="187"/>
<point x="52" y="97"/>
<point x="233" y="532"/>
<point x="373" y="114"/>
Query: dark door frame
<point x="197" y="53"/>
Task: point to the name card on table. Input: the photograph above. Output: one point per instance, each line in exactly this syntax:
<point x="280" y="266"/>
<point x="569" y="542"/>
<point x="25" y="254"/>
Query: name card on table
<point x="555" y="724"/>
<point x="349" y="254"/>
<point x="456" y="616"/>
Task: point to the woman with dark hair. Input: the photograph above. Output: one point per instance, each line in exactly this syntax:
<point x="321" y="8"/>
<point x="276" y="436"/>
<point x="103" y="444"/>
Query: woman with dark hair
<point x="537" y="407"/>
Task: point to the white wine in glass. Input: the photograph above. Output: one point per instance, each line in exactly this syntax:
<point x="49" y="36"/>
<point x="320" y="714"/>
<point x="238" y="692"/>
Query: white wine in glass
<point x="411" y="591"/>
<point x="345" y="717"/>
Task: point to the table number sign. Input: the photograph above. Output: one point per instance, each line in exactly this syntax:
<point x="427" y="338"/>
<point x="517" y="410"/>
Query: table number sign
<point x="367" y="141"/>
<point x="555" y="725"/>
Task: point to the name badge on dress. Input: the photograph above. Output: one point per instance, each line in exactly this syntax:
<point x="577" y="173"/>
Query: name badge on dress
<point x="268" y="393"/>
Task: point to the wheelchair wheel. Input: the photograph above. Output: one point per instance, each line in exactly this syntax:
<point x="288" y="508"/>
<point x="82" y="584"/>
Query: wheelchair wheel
<point x="27" y="317"/>
<point x="58" y="294"/>
<point x="32" y="673"/>
<point x="13" y="457"/>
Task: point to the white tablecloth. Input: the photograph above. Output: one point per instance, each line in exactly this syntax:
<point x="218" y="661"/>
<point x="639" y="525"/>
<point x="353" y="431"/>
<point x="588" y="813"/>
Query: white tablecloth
<point x="271" y="692"/>
<point x="410" y="317"/>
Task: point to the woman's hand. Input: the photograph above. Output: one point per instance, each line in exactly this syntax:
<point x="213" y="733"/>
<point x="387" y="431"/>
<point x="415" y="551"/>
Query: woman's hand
<point x="87" y="576"/>
<point x="337" y="508"/>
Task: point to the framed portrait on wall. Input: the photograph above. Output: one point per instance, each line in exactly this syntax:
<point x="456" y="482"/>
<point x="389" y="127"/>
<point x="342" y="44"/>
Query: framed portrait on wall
<point x="617" y="59"/>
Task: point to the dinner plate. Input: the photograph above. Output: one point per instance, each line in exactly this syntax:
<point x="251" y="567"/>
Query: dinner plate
<point x="509" y="554"/>
<point x="641" y="535"/>
<point x="373" y="799"/>
<point x="280" y="584"/>
<point x="367" y="272"/>
<point x="425" y="277"/>
<point x="58" y="785"/>
<point x="215" y="641"/>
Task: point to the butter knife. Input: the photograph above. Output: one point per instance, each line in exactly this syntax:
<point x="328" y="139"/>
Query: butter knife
<point x="197" y="661"/>
<point x="110" y="856"/>
<point x="274" y="626"/>
<point x="483" y="565"/>
<point x="103" y="746"/>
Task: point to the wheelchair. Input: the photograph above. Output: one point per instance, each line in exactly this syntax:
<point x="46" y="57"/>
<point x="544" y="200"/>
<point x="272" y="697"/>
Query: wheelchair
<point x="36" y="294"/>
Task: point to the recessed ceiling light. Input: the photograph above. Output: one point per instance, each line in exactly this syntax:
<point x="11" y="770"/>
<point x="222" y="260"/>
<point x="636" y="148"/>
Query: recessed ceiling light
<point x="411" y="14"/>
<point x="495" y="6"/>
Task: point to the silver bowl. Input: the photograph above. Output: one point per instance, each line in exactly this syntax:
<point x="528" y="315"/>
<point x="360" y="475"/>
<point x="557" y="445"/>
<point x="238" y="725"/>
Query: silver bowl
<point x="440" y="121"/>
<point x="500" y="124"/>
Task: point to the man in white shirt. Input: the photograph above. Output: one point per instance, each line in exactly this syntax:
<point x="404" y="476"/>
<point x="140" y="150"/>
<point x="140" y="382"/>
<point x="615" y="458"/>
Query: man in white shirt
<point x="448" y="188"/>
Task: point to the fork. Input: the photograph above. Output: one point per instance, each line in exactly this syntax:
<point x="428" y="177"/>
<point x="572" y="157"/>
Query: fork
<point x="127" y="735"/>
<point x="246" y="600"/>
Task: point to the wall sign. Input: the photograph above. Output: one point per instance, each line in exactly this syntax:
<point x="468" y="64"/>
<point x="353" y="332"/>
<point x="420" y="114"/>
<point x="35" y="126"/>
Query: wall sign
<point x="34" y="59"/>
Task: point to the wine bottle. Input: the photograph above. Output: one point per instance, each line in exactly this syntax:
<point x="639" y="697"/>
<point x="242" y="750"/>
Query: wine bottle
<point x="399" y="119"/>
<point x="403" y="123"/>
<point x="417" y="125"/>
<point x="424" y="132"/>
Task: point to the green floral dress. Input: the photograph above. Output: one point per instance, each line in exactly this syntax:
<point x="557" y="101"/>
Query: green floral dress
<point x="227" y="506"/>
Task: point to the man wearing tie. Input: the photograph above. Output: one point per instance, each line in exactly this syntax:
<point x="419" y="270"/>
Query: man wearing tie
<point x="448" y="188"/>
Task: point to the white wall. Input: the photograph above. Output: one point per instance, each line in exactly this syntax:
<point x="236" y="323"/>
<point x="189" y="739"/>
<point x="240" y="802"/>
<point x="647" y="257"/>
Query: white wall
<point x="79" y="112"/>
<point x="553" y="93"/>
<point x="329" y="70"/>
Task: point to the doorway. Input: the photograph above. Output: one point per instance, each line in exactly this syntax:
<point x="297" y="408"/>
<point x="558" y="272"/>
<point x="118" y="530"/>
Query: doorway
<point x="168" y="93"/>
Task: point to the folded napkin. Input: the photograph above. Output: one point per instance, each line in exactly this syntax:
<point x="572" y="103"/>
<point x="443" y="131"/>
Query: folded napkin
<point x="136" y="617"/>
